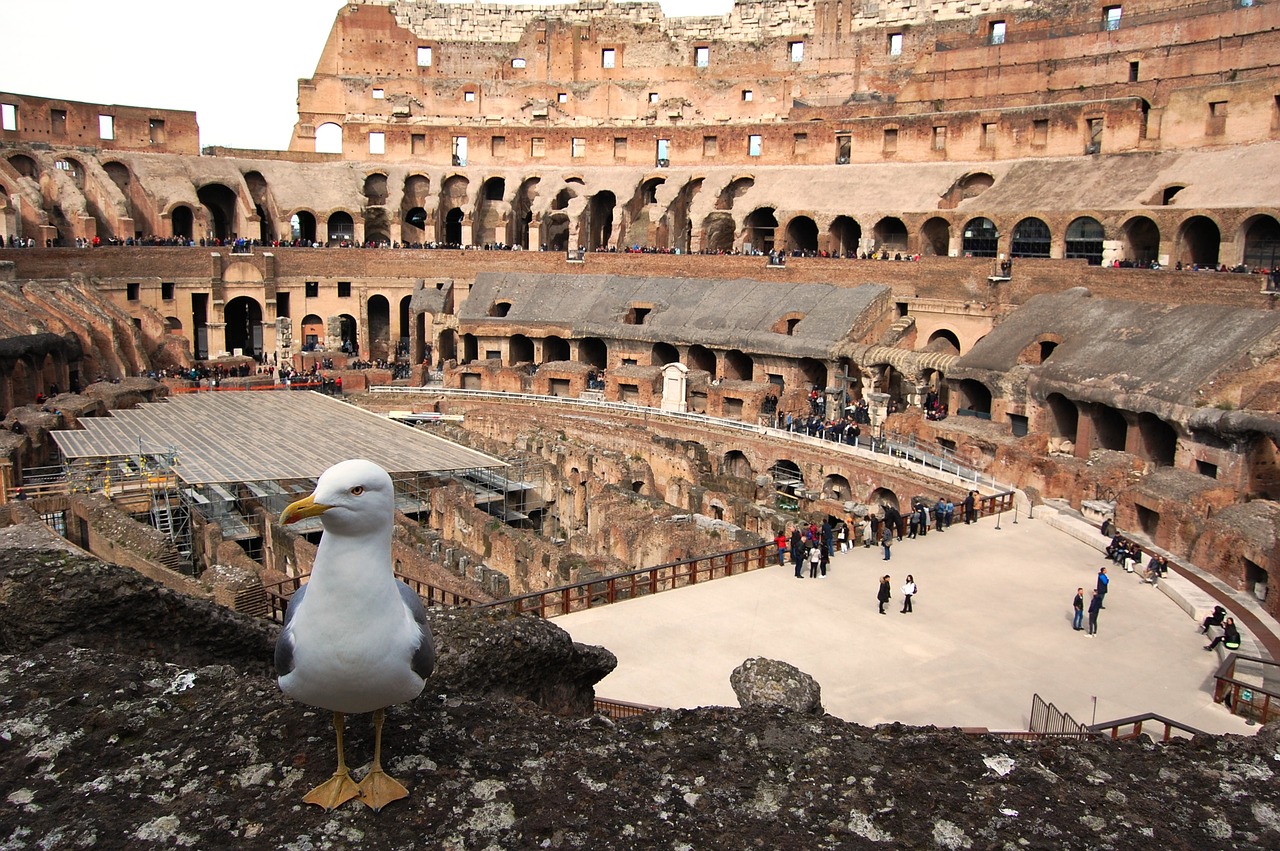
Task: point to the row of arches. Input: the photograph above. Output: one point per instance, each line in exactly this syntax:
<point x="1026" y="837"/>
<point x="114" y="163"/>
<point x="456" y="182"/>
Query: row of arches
<point x="373" y="338"/>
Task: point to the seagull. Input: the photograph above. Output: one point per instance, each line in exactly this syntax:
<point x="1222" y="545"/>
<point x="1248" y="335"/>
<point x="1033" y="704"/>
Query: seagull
<point x="355" y="639"/>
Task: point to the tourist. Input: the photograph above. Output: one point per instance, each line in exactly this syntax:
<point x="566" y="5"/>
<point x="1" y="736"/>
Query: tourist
<point x="970" y="508"/>
<point x="1095" y="605"/>
<point x="797" y="550"/>
<point x="781" y="542"/>
<point x="883" y="594"/>
<point x="1230" y="637"/>
<point x="886" y="540"/>
<point x="1214" y="619"/>
<point x="1103" y="582"/>
<point x="816" y="551"/>
<point x="1078" y="605"/>
<point x="908" y="591"/>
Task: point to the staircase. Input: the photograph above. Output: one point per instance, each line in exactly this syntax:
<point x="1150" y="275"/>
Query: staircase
<point x="898" y="330"/>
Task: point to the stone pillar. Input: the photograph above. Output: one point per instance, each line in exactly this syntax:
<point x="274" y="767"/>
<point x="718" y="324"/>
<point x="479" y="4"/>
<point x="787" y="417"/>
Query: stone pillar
<point x="877" y="409"/>
<point x="1085" y="438"/>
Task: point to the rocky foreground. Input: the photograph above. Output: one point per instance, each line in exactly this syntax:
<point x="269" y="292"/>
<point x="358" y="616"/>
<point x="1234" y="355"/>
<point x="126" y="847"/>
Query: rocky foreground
<point x="132" y="717"/>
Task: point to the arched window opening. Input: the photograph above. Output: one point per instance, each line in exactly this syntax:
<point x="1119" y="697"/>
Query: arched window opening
<point x="735" y="464"/>
<point x="329" y="139"/>
<point x="980" y="238"/>
<point x="802" y="235"/>
<point x="1031" y="238"/>
<point x="1084" y="240"/>
<point x="1199" y="240"/>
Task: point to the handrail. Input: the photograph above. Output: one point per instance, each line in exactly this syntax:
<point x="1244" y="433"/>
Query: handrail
<point x="912" y="449"/>
<point x="592" y="593"/>
<point x="1136" y="722"/>
<point x="622" y="709"/>
<point x="1246" y="699"/>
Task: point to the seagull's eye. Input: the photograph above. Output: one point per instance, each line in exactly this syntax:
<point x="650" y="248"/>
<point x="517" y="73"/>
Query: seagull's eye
<point x="357" y="490"/>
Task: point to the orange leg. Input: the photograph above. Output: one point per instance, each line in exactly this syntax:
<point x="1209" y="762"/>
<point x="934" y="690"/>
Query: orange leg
<point x="378" y="789"/>
<point x="339" y="788"/>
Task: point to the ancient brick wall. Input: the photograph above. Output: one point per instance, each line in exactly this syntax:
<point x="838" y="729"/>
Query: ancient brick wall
<point x="64" y="122"/>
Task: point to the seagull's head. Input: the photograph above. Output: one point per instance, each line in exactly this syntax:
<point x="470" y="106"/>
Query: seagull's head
<point x="353" y="496"/>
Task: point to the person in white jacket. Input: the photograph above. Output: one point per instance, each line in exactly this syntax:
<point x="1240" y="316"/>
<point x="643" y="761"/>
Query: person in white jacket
<point x="908" y="591"/>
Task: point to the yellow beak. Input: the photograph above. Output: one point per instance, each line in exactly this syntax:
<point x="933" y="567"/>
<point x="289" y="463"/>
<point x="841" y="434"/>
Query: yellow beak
<point x="302" y="509"/>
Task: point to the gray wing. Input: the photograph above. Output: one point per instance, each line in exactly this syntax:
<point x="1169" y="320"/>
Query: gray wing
<point x="424" y="657"/>
<point x="284" y="644"/>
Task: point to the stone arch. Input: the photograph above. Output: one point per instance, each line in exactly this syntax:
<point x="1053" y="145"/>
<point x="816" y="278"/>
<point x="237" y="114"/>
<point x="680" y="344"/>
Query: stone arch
<point x="734" y="190"/>
<point x="1064" y="417"/>
<point x="980" y="238"/>
<point x="375" y="189"/>
<point x="1031" y="238"/>
<point x="25" y="166"/>
<point x="220" y="200"/>
<point x="935" y="237"/>
<point x="1260" y="236"/>
<point x="680" y="230"/>
<point x="454" y="193"/>
<point x="787" y="476"/>
<point x="522" y="212"/>
<point x="717" y="232"/>
<point x="844" y="236"/>
<point x="263" y="207"/>
<point x="454" y="218"/>
<point x="329" y="138"/>
<point x="182" y="222"/>
<point x="738" y="365"/>
<point x="554" y="349"/>
<point x="405" y="324"/>
<point x="884" y="498"/>
<point x="1141" y="239"/>
<point x="519" y="350"/>
<point x="1199" y="239"/>
<point x="1159" y="439"/>
<point x="735" y="464"/>
<point x="1110" y="428"/>
<point x="802" y="235"/>
<point x="243" y="317"/>
<point x="594" y="352"/>
<point x="814" y="372"/>
<point x="379" y="310"/>
<point x="663" y="354"/>
<point x="349" y="333"/>
<point x="1084" y="240"/>
<point x="700" y="357"/>
<point x="302" y="224"/>
<point x="556" y="231"/>
<point x="759" y="228"/>
<point x="599" y="220"/>
<point x="944" y="340"/>
<point x="975" y="397"/>
<point x="836" y="487"/>
<point x="342" y="228"/>
<point x="890" y="234"/>
<point x="311" y="332"/>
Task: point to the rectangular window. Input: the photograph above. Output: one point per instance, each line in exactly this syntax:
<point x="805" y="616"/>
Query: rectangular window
<point x="498" y="147"/>
<point x="653" y="97"/>
<point x="469" y="96"/>
<point x="133" y="291"/>
<point x="155" y="130"/>
<point x="710" y="146"/>
<point x="664" y="153"/>
<point x="844" y="149"/>
<point x="106" y="127"/>
<point x="424" y="57"/>
<point x="1217" y="118"/>
<point x="418" y="144"/>
<point x="620" y="147"/>
<point x="313" y="289"/>
<point x="796" y="49"/>
<point x="562" y="97"/>
<point x="344" y="289"/>
<point x="8" y="116"/>
<point x="1133" y="72"/>
<point x="753" y="145"/>
<point x="377" y="142"/>
<point x="282" y="304"/>
<point x="608" y="57"/>
<point x="701" y="57"/>
<point x="895" y="44"/>
<point x="459" y="150"/>
<point x="940" y="138"/>
<point x="379" y="94"/>
<point x="1040" y="131"/>
<point x="578" y="147"/>
<point x="801" y="144"/>
<point x="988" y="134"/>
<point x="997" y="32"/>
<point x="58" y="122"/>
<point x="537" y="147"/>
<point x="1095" y="136"/>
<point x="517" y="63"/>
<point x="166" y="290"/>
<point x="890" y="139"/>
<point x="748" y="95"/>
<point x="1111" y="17"/>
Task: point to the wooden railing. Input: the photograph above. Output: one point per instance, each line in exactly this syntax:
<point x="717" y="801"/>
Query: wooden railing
<point x="1249" y="700"/>
<point x="622" y="709"/>
<point x="278" y="594"/>
<point x="591" y="593"/>
<point x="1127" y="729"/>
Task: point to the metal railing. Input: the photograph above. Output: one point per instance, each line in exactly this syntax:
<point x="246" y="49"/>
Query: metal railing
<point x="1251" y="700"/>
<point x="1128" y="729"/>
<point x="278" y="594"/>
<point x="1047" y="719"/>
<point x="593" y="593"/>
<point x="622" y="709"/>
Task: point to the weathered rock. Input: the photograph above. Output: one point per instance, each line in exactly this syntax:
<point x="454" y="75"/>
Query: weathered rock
<point x="768" y="683"/>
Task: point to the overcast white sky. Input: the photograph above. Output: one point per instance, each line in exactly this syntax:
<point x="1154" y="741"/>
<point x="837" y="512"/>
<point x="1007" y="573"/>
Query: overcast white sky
<point x="235" y="62"/>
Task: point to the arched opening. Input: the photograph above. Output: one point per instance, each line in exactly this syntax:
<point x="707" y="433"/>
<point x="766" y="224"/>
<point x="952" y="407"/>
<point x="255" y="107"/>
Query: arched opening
<point x="680" y="236"/>
<point x="172" y="325"/>
<point x="1198" y="240"/>
<point x="262" y="203"/>
<point x="1064" y="417"/>
<point x="732" y="192"/>
<point x="519" y="350"/>
<point x="936" y="237"/>
<point x="555" y="349"/>
<point x="802" y="235"/>
<point x="556" y="228"/>
<point x="341" y="228"/>
<point x="836" y="487"/>
<point x="329" y="138"/>
<point x="787" y="477"/>
<point x="182" y="222"/>
<point x="313" y="332"/>
<point x="1159" y="439"/>
<point x="815" y="374"/>
<point x="980" y="238"/>
<point x="453" y="226"/>
<point x="844" y="236"/>
<point x="415" y="225"/>
<point x="891" y="235"/>
<point x="413" y="209"/>
<point x="494" y="188"/>
<point x="1261" y="242"/>
<point x="702" y="358"/>
<point x="1031" y="238"/>
<point x="735" y="464"/>
<point x="975" y="399"/>
<point x="600" y="220"/>
<point x="522" y="212"/>
<point x="884" y="498"/>
<point x="379" y="328"/>
<point x="1109" y="428"/>
<point x="738" y="365"/>
<point x="470" y="348"/>
<point x="403" y="347"/>
<point x="221" y="204"/>
<point x="348" y="332"/>
<point x="25" y="166"/>
<point x="303" y="226"/>
<point x="376" y="229"/>
<point x="717" y="232"/>
<point x="944" y="341"/>
<point x="594" y="352"/>
<point x="761" y="224"/>
<point x="1084" y="240"/>
<point x="375" y="190"/>
<point x="244" y="326"/>
<point x="447" y="347"/>
<point x="663" y="354"/>
<point x="1141" y="239"/>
